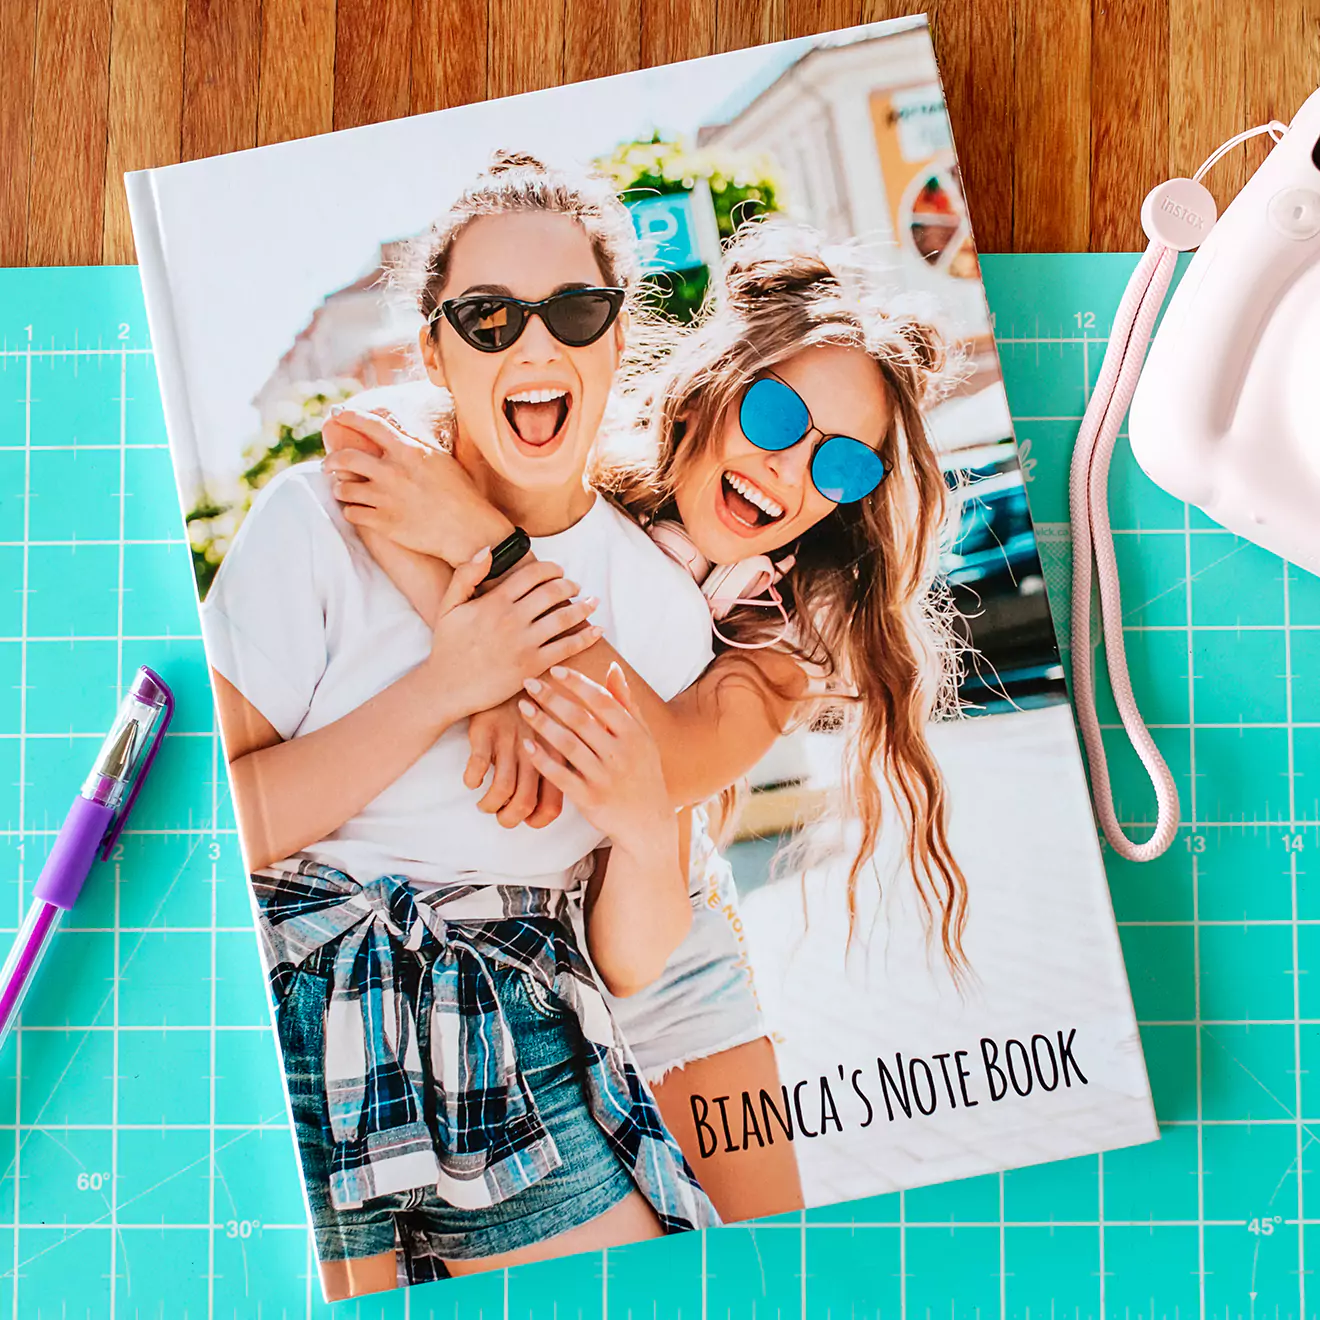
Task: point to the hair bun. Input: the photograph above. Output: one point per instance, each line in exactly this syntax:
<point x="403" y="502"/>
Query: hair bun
<point x="775" y="278"/>
<point x="771" y="257"/>
<point x="504" y="160"/>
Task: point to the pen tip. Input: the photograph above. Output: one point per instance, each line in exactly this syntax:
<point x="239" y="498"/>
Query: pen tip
<point x="119" y="755"/>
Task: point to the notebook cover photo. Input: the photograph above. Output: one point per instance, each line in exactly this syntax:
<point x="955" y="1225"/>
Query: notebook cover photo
<point x="646" y="727"/>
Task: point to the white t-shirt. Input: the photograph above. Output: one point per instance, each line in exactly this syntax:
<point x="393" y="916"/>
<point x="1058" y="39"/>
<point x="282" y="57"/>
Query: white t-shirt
<point x="305" y="624"/>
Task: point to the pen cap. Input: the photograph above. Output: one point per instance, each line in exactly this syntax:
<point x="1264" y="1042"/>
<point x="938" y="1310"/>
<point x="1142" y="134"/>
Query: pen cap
<point x="129" y="749"/>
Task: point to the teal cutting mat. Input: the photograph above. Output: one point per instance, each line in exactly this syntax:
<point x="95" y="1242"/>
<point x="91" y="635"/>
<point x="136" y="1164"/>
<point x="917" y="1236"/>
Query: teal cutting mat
<point x="147" y="1165"/>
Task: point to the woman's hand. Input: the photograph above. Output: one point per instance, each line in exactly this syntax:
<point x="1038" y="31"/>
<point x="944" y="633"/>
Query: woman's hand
<point x="612" y="770"/>
<point x="636" y="906"/>
<point x="517" y="794"/>
<point x="484" y="647"/>
<point x="416" y="494"/>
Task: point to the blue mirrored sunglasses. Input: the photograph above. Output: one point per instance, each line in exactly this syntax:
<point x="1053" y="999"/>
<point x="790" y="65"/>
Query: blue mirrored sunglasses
<point x="774" y="416"/>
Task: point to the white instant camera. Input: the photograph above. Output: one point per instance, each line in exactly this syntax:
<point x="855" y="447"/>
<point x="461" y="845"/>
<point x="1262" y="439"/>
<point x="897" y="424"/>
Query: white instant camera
<point x="1227" y="411"/>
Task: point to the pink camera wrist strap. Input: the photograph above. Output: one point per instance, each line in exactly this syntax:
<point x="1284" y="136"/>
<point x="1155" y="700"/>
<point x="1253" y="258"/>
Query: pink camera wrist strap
<point x="1093" y="545"/>
<point x="1093" y="548"/>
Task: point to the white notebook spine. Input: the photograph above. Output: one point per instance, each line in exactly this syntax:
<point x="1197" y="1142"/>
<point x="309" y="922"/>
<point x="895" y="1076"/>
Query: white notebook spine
<point x="148" y="236"/>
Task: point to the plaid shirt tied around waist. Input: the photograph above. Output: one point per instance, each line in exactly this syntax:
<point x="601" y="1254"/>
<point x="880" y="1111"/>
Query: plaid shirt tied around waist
<point x="488" y="1142"/>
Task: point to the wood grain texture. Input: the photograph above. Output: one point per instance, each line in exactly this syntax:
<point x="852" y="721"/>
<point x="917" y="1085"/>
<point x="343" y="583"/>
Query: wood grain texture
<point x="1207" y="90"/>
<point x="146" y="106"/>
<point x="373" y="61"/>
<point x="295" y="94"/>
<point x="877" y="11"/>
<point x="451" y="53"/>
<point x="803" y="17"/>
<point x="18" y="44"/>
<point x="974" y="47"/>
<point x="526" y="45"/>
<point x="221" y="57"/>
<point x="1052" y="126"/>
<point x="601" y="37"/>
<point x="1129" y="153"/>
<point x="742" y="23"/>
<point x="677" y="30"/>
<point x="1065" y="112"/>
<point x="1282" y="64"/>
<point x="66" y="196"/>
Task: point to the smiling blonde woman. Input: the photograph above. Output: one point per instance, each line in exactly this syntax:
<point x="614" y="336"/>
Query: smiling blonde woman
<point x="461" y="1098"/>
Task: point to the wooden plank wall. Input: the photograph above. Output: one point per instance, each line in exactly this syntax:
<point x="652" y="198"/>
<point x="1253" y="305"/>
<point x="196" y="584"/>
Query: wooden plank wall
<point x="1065" y="111"/>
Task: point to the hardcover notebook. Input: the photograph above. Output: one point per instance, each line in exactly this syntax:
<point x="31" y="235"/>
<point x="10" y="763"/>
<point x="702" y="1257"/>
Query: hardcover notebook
<point x="650" y="743"/>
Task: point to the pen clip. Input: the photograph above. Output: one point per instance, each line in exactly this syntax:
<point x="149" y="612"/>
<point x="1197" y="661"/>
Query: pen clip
<point x="150" y="679"/>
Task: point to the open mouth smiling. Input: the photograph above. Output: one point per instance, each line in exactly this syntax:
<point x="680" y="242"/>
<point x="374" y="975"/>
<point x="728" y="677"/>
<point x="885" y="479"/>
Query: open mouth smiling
<point x="538" y="417"/>
<point x="747" y="507"/>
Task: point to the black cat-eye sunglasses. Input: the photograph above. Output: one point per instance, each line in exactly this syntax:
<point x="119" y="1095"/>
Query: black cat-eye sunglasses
<point x="492" y="322"/>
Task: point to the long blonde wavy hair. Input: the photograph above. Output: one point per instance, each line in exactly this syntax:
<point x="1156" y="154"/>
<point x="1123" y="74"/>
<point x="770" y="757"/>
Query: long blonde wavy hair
<point x="869" y="610"/>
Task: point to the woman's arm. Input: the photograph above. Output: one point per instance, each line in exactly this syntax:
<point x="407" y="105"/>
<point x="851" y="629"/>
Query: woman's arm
<point x="709" y="735"/>
<point x="292" y="794"/>
<point x="422" y="577"/>
<point x="405" y="490"/>
<point x="637" y="908"/>
<point x="638" y="913"/>
<point x="516" y="793"/>
<point x="712" y="733"/>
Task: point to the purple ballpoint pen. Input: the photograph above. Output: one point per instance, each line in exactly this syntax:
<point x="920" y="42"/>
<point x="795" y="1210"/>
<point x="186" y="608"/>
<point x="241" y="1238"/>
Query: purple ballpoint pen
<point x="93" y="824"/>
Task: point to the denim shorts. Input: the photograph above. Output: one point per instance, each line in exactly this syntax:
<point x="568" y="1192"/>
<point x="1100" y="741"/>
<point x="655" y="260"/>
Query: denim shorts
<point x="589" y="1181"/>
<point x="705" y="1000"/>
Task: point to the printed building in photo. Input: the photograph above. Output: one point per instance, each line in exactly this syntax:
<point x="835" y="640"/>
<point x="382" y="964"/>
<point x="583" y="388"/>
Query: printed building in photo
<point x="359" y="333"/>
<point x="860" y="133"/>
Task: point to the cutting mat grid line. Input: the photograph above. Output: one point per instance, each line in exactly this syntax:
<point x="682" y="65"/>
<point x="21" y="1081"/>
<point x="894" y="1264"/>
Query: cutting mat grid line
<point x="146" y="1168"/>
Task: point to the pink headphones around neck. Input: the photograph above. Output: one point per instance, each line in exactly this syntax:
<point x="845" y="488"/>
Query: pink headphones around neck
<point x="751" y="581"/>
